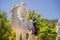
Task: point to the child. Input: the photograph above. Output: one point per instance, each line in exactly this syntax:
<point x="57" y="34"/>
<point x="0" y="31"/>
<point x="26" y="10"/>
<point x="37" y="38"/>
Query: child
<point x="35" y="30"/>
<point x="34" y="21"/>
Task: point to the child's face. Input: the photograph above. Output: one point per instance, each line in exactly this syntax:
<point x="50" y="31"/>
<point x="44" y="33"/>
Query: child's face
<point x="34" y="16"/>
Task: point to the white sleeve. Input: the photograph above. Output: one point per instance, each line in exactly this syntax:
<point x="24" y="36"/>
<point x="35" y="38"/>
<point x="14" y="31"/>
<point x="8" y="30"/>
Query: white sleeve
<point x="34" y="21"/>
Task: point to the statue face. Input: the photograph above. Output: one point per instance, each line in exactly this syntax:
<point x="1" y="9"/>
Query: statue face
<point x="23" y="4"/>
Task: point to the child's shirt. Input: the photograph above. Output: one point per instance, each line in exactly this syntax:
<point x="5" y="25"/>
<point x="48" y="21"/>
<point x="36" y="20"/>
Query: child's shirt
<point x="34" y="20"/>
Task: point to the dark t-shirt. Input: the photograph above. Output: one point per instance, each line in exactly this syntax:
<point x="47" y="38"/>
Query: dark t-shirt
<point x="34" y="22"/>
<point x="35" y="31"/>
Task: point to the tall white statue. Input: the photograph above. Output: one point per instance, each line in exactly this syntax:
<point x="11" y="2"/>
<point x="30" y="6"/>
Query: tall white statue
<point x="19" y="20"/>
<point x="23" y="15"/>
<point x="58" y="29"/>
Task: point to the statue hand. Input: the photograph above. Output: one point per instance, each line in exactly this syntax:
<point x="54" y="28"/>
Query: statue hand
<point x="20" y="18"/>
<point x="28" y="12"/>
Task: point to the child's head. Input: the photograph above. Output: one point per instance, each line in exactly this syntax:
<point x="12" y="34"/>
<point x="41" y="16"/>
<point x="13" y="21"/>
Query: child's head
<point x="35" y="16"/>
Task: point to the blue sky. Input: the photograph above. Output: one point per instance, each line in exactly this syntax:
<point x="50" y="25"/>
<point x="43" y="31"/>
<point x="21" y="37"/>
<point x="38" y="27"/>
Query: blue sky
<point x="49" y="9"/>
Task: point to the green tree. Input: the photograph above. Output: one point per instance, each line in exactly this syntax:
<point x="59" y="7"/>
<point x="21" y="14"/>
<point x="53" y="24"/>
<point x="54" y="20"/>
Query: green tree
<point x="47" y="27"/>
<point x="6" y="33"/>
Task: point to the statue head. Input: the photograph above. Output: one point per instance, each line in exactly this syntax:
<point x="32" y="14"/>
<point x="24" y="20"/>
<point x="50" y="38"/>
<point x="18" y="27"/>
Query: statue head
<point x="23" y="4"/>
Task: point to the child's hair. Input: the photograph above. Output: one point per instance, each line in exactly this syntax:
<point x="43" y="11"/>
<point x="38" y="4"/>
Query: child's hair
<point x="35" y="16"/>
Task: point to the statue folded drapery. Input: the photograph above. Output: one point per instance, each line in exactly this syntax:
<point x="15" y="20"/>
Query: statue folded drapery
<point x="23" y="16"/>
<point x="19" y="21"/>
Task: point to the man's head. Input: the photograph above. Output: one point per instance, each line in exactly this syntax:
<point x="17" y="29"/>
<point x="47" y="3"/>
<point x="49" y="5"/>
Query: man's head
<point x="23" y="4"/>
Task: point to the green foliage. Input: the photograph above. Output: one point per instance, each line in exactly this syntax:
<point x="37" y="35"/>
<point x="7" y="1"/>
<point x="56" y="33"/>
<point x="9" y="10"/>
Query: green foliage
<point x="47" y="27"/>
<point x="6" y="32"/>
